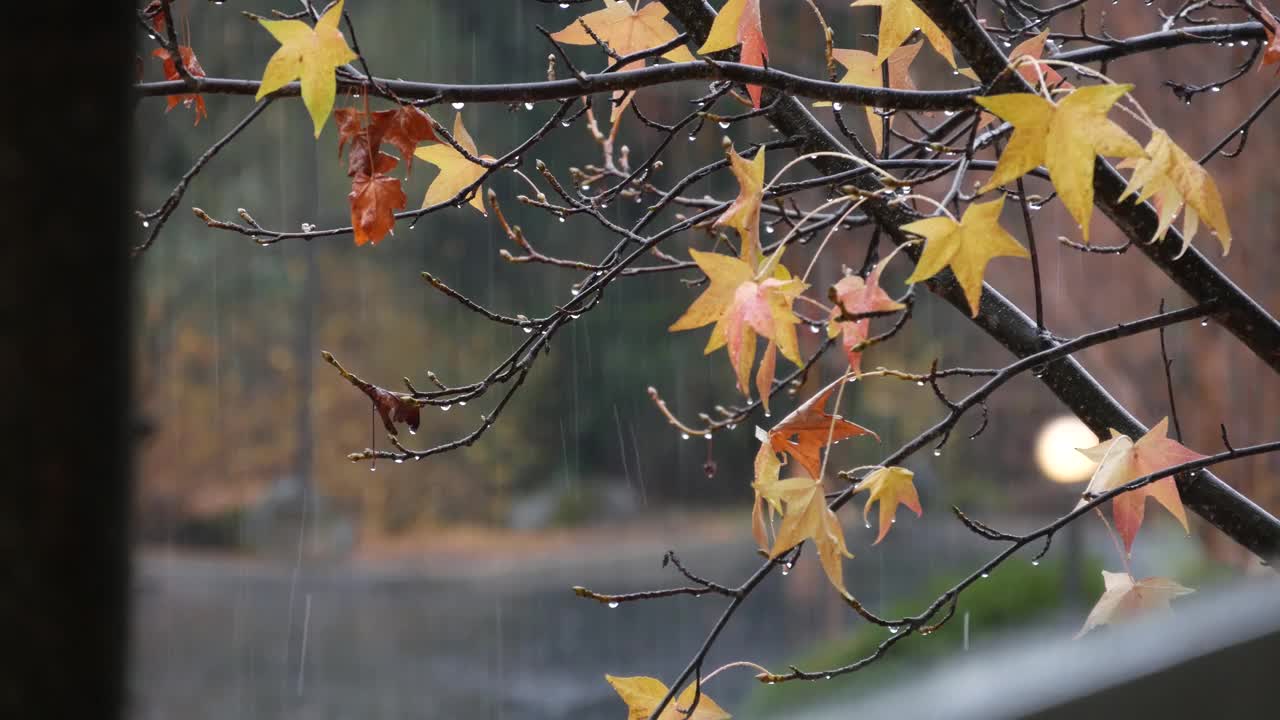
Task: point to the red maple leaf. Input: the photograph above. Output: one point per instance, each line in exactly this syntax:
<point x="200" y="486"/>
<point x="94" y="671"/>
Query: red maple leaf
<point x="189" y="61"/>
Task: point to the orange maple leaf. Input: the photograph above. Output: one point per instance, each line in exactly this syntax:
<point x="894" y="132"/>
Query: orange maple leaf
<point x="738" y="23"/>
<point x="375" y="197"/>
<point x="405" y="127"/>
<point x="189" y="61"/>
<point x="855" y="296"/>
<point x="811" y="427"/>
<point x="1271" y="52"/>
<point x="1120" y="460"/>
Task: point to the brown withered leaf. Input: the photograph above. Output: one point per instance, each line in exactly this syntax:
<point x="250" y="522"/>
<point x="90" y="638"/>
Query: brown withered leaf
<point x="375" y="197"/>
<point x="405" y="127"/>
<point x="392" y="407"/>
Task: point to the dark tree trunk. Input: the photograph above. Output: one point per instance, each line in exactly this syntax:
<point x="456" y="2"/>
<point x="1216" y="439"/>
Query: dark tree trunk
<point x="65" y="423"/>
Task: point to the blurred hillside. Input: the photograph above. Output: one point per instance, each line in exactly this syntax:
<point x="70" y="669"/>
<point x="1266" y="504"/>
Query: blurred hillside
<point x="229" y="333"/>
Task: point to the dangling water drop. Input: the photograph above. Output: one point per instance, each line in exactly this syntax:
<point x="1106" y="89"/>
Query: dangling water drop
<point x="893" y="629"/>
<point x="724" y="124"/>
<point x="458" y="105"/>
<point x="837" y="107"/>
<point x="684" y="436"/>
<point x="613" y="604"/>
<point x="445" y="408"/>
<point x="528" y="106"/>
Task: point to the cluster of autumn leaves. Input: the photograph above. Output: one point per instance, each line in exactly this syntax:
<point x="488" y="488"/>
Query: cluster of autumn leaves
<point x="750" y="295"/>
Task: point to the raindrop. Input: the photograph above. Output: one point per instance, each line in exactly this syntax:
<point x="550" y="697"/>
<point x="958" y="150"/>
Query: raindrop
<point x="463" y="403"/>
<point x="565" y="123"/>
<point x="146" y="224"/>
<point x="920" y="383"/>
<point x="1204" y="322"/>
<point x="613" y="604"/>
<point x="458" y="105"/>
<point x="937" y="452"/>
<point x="412" y="431"/>
<point x="574" y="316"/>
<point x="1215" y="88"/>
<point x="827" y="676"/>
<point x="399" y="461"/>
<point x="706" y="436"/>
<point x="561" y="218"/>
<point x="768" y="229"/>
<point x="948" y="113"/>
<point x="528" y="106"/>
<point x="868" y="526"/>
<point x="692" y="137"/>
<point x="445" y="408"/>
<point x="893" y="629"/>
<point x="528" y="330"/>
<point x="573" y="291"/>
<point x="771" y="682"/>
<point x="731" y="426"/>
<point x="837" y="107"/>
<point x="813" y="329"/>
<point x="986" y="575"/>
<point x="1035" y="563"/>
<point x="373" y="468"/>
<point x="684" y="436"/>
<point x="724" y="124"/>
<point x="586" y="187"/>
<point x="564" y="6"/>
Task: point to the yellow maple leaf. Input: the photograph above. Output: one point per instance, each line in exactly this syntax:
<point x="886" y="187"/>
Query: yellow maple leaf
<point x="744" y="214"/>
<point x="900" y="18"/>
<point x="642" y="694"/>
<point x="863" y="68"/>
<point x="1176" y="179"/>
<point x="890" y="486"/>
<point x="738" y="23"/>
<point x="626" y="31"/>
<point x="456" y="171"/>
<point x="1064" y="137"/>
<point x="764" y="485"/>
<point x="743" y="306"/>
<point x="1031" y="49"/>
<point x="309" y="54"/>
<point x="807" y="517"/>
<point x="967" y="246"/>
<point x="1125" y="598"/>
